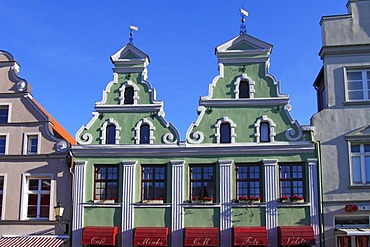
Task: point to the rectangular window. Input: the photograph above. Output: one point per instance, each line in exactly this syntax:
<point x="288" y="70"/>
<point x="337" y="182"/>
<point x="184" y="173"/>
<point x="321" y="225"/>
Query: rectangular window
<point x="2" y="145"/>
<point x="1" y="195"/>
<point x="32" y="144"/>
<point x="360" y="163"/>
<point x="4" y="112"/>
<point x="38" y="198"/>
<point x="202" y="182"/>
<point x="291" y="179"/>
<point x="105" y="182"/>
<point x="248" y="181"/>
<point x="153" y="182"/>
<point x="358" y="85"/>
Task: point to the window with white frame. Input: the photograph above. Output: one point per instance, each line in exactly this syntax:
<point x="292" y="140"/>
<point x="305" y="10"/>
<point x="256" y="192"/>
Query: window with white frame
<point x="4" y="113"/>
<point x="2" y="145"/>
<point x="225" y="130"/>
<point x="360" y="163"/>
<point x="2" y="185"/>
<point x="37" y="197"/>
<point x="32" y="144"/>
<point x="358" y="85"/>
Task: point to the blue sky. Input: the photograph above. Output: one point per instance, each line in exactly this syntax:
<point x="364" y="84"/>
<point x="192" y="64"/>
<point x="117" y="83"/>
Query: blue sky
<point x="64" y="47"/>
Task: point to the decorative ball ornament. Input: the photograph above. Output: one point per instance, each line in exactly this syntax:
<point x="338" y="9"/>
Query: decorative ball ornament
<point x="21" y="86"/>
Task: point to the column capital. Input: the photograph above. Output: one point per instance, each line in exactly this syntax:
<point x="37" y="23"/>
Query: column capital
<point x="269" y="162"/>
<point x="129" y="162"/>
<point x="225" y="162"/>
<point x="177" y="162"/>
<point x="80" y="162"/>
<point x="312" y="162"/>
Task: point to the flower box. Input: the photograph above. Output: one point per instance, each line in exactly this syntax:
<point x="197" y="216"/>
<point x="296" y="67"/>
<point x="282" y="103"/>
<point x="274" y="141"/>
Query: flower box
<point x="297" y="201"/>
<point x="156" y="201"/>
<point x="104" y="201"/>
<point x="201" y="202"/>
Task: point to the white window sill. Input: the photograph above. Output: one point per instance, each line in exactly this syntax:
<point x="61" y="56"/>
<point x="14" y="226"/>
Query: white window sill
<point x="359" y="186"/>
<point x="357" y="102"/>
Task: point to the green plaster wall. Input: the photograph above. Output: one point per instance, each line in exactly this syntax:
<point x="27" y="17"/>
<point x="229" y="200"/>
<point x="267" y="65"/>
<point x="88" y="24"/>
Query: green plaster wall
<point x="152" y="217"/>
<point x="94" y="216"/>
<point x="201" y="217"/>
<point x="293" y="216"/>
<point x="248" y="216"/>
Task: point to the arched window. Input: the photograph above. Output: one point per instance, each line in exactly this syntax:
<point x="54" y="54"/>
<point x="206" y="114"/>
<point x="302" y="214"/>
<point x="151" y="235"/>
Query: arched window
<point x="111" y="134"/>
<point x="225" y="132"/>
<point x="145" y="134"/>
<point x="243" y="89"/>
<point x="129" y="95"/>
<point x="264" y="132"/>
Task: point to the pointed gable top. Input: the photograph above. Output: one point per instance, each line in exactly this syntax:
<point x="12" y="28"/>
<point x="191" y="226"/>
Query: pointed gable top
<point x="243" y="45"/>
<point x="130" y="54"/>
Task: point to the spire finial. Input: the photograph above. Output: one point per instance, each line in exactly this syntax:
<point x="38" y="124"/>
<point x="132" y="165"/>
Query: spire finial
<point x="243" y="28"/>
<point x="132" y="28"/>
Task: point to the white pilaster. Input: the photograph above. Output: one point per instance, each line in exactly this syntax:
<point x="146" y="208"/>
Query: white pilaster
<point x="78" y="200"/>
<point x="271" y="200"/>
<point x="128" y="191"/>
<point x="177" y="200"/>
<point x="314" y="198"/>
<point x="225" y="203"/>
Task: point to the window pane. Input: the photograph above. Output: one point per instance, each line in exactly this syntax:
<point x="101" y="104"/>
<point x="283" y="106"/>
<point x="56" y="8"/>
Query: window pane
<point x="354" y="75"/>
<point x="2" y="144"/>
<point x="356" y="170"/>
<point x="129" y="95"/>
<point x="144" y="134"/>
<point x="367" y="147"/>
<point x="32" y="145"/>
<point x="111" y="134"/>
<point x="355" y="148"/>
<point x="45" y="184"/>
<point x="355" y="85"/>
<point x="265" y="132"/>
<point x="32" y="211"/>
<point x="33" y="184"/>
<point x="44" y="211"/>
<point x="355" y="95"/>
<point x="45" y="200"/>
<point x="367" y="169"/>
<point x="1" y="184"/>
<point x="4" y="114"/>
<point x="225" y="133"/>
<point x="244" y="89"/>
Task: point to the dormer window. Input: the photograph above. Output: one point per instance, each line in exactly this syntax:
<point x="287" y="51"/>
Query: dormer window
<point x="111" y="134"/>
<point x="265" y="132"/>
<point x="225" y="133"/>
<point x="243" y="89"/>
<point x="129" y="95"/>
<point x="144" y="134"/>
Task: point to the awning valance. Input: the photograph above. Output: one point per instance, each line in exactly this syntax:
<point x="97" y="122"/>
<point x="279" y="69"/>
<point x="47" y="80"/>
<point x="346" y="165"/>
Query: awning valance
<point x="151" y="236"/>
<point x="250" y="236"/>
<point x="201" y="236"/>
<point x="355" y="231"/>
<point x="29" y="240"/>
<point x="100" y="235"/>
<point x="296" y="235"/>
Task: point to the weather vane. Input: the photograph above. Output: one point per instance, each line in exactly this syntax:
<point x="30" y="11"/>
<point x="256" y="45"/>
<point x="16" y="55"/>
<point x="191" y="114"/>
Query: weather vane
<point x="132" y="28"/>
<point x="243" y="28"/>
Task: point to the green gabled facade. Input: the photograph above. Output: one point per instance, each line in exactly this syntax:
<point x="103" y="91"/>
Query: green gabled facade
<point x="243" y="137"/>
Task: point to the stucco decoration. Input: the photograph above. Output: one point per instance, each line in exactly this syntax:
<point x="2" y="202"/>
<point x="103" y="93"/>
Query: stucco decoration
<point x="151" y="130"/>
<point x="198" y="136"/>
<point x="232" y="129"/>
<point x="61" y="146"/>
<point x="7" y="59"/>
<point x="292" y="134"/>
<point x="86" y="138"/>
<point x="214" y="82"/>
<point x="123" y="89"/>
<point x="251" y="83"/>
<point x="272" y="126"/>
<point x="104" y="131"/>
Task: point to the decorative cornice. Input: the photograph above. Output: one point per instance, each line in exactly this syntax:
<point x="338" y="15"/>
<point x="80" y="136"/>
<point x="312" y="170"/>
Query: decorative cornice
<point x="129" y="108"/>
<point x="244" y="102"/>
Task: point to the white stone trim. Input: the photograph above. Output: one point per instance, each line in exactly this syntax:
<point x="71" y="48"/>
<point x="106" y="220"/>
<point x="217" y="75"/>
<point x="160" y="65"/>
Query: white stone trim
<point x="314" y="198"/>
<point x="25" y="142"/>
<point x="272" y="126"/>
<point x="78" y="200"/>
<point x="271" y="170"/>
<point x="177" y="201"/>
<point x="232" y="129"/>
<point x="104" y="131"/>
<point x="198" y="136"/>
<point x="138" y="129"/>
<point x="4" y="195"/>
<point x="251" y="83"/>
<point x="122" y="92"/>
<point x="225" y="202"/>
<point x="86" y="138"/>
<point x="128" y="189"/>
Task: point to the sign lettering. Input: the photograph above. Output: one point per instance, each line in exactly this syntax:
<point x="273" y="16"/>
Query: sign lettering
<point x="250" y="240"/>
<point x="296" y="240"/>
<point x="152" y="242"/>
<point x="98" y="241"/>
<point x="202" y="242"/>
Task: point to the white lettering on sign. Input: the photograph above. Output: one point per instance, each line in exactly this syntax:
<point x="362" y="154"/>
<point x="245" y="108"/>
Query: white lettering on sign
<point x="98" y="241"/>
<point x="296" y="240"/>
<point x="200" y="241"/>
<point x="150" y="241"/>
<point x="250" y="240"/>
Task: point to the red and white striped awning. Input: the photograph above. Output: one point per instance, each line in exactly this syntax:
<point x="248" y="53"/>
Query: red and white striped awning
<point x="28" y="241"/>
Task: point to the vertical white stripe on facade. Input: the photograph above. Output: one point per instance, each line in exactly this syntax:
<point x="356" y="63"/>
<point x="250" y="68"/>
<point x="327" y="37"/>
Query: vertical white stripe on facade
<point x="128" y="183"/>
<point x="271" y="202"/>
<point x="314" y="198"/>
<point x="177" y="200"/>
<point x="78" y="200"/>
<point x="225" y="202"/>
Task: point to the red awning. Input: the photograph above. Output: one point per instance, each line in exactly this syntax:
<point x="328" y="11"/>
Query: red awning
<point x="201" y="236"/>
<point x="27" y="241"/>
<point x="249" y="236"/>
<point x="296" y="235"/>
<point x="151" y="236"/>
<point x="100" y="235"/>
